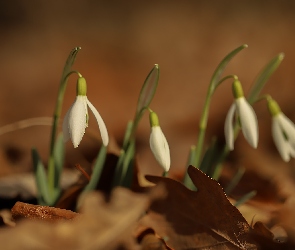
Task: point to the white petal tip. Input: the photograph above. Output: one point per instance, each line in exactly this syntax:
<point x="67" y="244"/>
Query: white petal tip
<point x="105" y="139"/>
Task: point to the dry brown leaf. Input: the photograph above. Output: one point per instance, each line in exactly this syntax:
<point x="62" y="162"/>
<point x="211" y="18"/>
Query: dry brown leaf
<point x="102" y="225"/>
<point x="22" y="210"/>
<point x="197" y="220"/>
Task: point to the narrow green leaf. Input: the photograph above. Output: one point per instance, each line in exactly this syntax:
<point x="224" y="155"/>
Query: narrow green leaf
<point x="187" y="180"/>
<point x="210" y="158"/>
<point x="245" y="198"/>
<point x="234" y="182"/>
<point x="118" y="170"/>
<point x="128" y="132"/>
<point x="41" y="179"/>
<point x="128" y="166"/>
<point x="262" y="78"/>
<point x="126" y="143"/>
<point x="220" y="68"/>
<point x="97" y="169"/>
<point x="191" y="155"/>
<point x="217" y="170"/>
<point x="58" y="160"/>
<point x="148" y="89"/>
<point x="124" y="168"/>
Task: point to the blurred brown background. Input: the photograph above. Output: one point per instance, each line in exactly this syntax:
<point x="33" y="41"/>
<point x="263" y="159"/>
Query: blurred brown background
<point x="121" y="41"/>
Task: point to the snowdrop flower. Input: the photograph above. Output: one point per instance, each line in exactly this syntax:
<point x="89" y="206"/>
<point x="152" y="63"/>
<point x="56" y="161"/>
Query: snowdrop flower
<point x="76" y="119"/>
<point x="246" y="116"/>
<point x="283" y="131"/>
<point x="158" y="143"/>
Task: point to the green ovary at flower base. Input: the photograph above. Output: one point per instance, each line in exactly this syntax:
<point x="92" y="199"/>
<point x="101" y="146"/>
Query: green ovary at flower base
<point x="158" y="143"/>
<point x="283" y="131"/>
<point x="76" y="119"/>
<point x="247" y="118"/>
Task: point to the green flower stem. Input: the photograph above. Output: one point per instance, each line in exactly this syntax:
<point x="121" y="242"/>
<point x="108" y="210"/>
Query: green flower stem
<point x="132" y="129"/>
<point x="214" y="83"/>
<point x="146" y="95"/>
<point x="225" y="78"/>
<point x="266" y="97"/>
<point x="204" y="119"/>
<point x="225" y="152"/>
<point x="165" y="174"/>
<point x="56" y="116"/>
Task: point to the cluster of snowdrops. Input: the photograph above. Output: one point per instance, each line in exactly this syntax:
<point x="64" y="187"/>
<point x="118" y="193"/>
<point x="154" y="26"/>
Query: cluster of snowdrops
<point x="241" y="116"/>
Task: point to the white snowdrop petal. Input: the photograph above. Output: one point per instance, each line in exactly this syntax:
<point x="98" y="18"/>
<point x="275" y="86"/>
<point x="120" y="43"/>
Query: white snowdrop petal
<point x="167" y="157"/>
<point x="228" y="127"/>
<point x="288" y="127"/>
<point x="77" y="120"/>
<point x="248" y="120"/>
<point x="279" y="140"/>
<point x="101" y="124"/>
<point x="160" y="148"/>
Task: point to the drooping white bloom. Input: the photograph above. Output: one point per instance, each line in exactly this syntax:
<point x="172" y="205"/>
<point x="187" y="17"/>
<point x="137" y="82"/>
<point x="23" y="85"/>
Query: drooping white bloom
<point x="246" y="116"/>
<point x="283" y="131"/>
<point x="158" y="143"/>
<point x="76" y="119"/>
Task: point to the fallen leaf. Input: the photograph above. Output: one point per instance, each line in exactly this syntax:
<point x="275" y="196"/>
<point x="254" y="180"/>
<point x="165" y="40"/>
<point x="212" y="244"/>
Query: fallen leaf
<point x="101" y="225"/>
<point x="36" y="212"/>
<point x="197" y="219"/>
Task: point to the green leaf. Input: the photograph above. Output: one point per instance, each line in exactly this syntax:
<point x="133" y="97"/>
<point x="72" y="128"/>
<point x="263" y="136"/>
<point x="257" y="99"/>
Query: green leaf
<point x="118" y="170"/>
<point x="220" y="68"/>
<point x="128" y="132"/>
<point x="187" y="180"/>
<point x="128" y="166"/>
<point x="125" y="167"/>
<point x="148" y="90"/>
<point x="97" y="169"/>
<point x="41" y="179"/>
<point x="234" y="182"/>
<point x="211" y="161"/>
<point x="58" y="159"/>
<point x="245" y="198"/>
<point x="210" y="158"/>
<point x="262" y="78"/>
